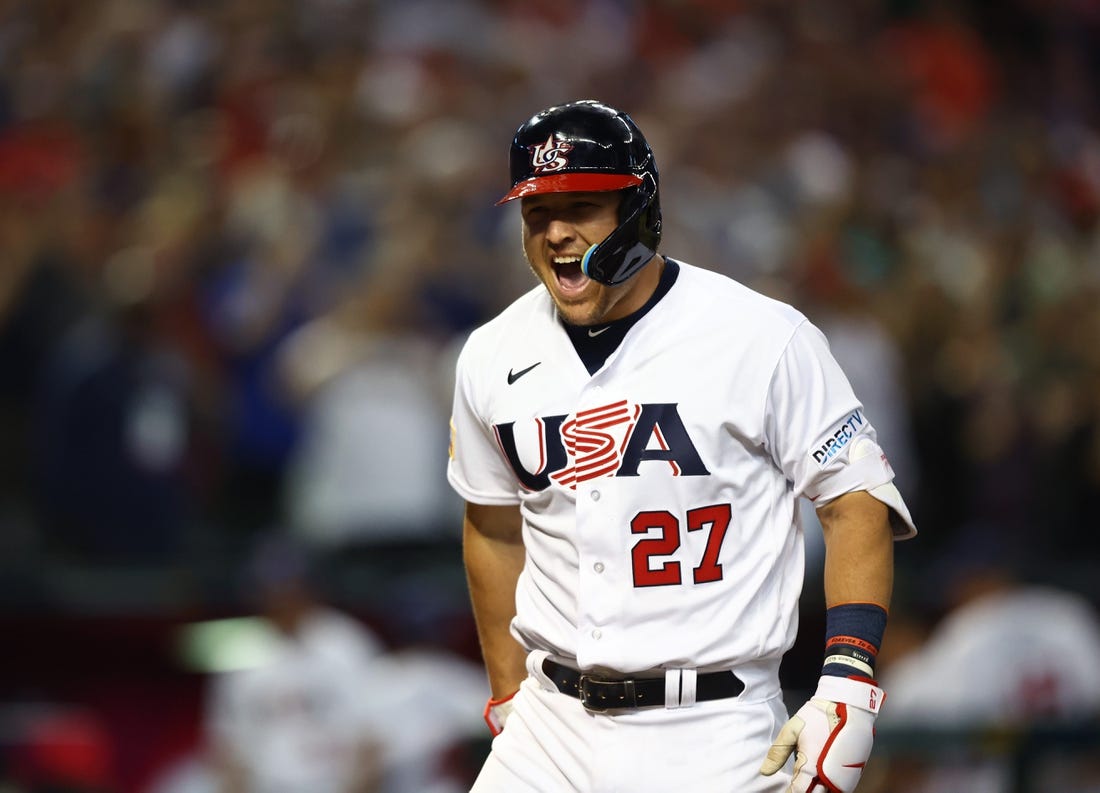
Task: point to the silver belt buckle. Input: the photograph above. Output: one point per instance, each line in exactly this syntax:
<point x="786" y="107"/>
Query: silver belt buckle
<point x="616" y="693"/>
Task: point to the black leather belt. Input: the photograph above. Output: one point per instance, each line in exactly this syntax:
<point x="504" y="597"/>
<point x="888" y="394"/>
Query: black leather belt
<point x="599" y="693"/>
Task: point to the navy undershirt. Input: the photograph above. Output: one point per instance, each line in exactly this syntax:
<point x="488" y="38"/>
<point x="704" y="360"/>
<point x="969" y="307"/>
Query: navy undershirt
<point x="594" y="350"/>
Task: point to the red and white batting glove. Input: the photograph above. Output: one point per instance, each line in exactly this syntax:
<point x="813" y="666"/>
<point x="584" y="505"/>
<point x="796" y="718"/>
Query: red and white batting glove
<point x="497" y="712"/>
<point x="830" y="736"/>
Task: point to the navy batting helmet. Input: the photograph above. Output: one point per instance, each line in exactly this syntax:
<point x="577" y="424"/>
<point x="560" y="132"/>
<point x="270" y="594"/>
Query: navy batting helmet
<point x="587" y="146"/>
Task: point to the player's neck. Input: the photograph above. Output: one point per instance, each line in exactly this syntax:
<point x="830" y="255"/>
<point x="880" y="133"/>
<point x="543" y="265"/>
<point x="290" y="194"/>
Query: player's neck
<point x="595" y="343"/>
<point x="642" y="288"/>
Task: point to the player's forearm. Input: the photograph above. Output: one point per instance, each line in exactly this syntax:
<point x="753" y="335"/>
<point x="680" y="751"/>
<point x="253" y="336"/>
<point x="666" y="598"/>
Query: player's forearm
<point x="859" y="556"/>
<point x="493" y="566"/>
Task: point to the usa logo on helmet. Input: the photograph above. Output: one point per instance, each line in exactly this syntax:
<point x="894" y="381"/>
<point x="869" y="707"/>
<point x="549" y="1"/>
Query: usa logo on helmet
<point x="549" y="156"/>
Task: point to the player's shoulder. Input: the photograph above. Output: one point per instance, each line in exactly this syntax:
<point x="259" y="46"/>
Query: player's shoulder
<point x="532" y="307"/>
<point x="734" y="300"/>
<point x="530" y="314"/>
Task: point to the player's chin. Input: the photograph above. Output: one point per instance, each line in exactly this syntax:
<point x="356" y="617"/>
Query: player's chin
<point x="579" y="312"/>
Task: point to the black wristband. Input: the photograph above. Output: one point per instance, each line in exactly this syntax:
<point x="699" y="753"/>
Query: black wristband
<point x="853" y="635"/>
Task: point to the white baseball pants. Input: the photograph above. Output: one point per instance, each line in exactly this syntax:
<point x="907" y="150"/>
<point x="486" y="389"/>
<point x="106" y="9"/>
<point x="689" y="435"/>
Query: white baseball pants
<point x="551" y="744"/>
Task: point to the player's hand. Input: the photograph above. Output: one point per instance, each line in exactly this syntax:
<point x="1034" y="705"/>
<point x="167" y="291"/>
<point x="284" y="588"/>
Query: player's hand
<point x="497" y="712"/>
<point x="830" y="737"/>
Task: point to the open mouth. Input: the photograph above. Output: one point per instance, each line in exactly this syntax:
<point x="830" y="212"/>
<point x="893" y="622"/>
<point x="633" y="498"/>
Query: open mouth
<point x="567" y="269"/>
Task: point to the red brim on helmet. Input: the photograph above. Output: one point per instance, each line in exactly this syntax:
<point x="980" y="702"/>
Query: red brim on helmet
<point x="573" y="182"/>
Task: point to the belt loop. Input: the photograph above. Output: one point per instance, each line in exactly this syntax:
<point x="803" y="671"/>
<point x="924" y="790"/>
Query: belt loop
<point x="688" y="678"/>
<point x="535" y="660"/>
<point x="672" y="688"/>
<point x="680" y="688"/>
<point x="630" y="696"/>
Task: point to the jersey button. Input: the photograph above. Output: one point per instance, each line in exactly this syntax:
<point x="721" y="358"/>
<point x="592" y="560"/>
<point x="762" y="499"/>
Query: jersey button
<point x="598" y="567"/>
<point x="597" y="634"/>
<point x="595" y="495"/>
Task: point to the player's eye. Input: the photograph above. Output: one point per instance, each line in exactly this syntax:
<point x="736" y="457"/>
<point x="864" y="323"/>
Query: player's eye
<point x="581" y="210"/>
<point x="534" y="213"/>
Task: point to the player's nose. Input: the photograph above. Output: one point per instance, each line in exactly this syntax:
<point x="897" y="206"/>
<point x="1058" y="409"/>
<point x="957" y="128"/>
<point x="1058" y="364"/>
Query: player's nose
<point x="559" y="231"/>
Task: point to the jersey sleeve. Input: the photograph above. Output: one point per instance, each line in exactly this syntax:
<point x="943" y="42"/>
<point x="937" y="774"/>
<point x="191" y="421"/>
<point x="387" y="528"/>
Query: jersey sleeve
<point x="817" y="433"/>
<point x="477" y="469"/>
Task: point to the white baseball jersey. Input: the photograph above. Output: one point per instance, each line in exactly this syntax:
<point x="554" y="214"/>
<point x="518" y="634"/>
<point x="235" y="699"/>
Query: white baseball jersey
<point x="658" y="495"/>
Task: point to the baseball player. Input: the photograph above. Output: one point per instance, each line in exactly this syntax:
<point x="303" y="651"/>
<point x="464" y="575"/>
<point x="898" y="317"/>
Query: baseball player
<point x="630" y="438"/>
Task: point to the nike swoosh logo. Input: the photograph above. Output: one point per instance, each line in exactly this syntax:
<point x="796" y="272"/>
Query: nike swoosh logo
<point x="594" y="333"/>
<point x="513" y="376"/>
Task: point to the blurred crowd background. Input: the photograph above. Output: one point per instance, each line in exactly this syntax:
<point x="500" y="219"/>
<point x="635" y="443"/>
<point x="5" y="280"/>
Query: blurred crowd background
<point x="241" y="242"/>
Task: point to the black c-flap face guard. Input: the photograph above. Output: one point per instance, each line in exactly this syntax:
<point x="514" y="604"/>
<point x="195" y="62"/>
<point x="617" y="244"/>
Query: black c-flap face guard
<point x="633" y="242"/>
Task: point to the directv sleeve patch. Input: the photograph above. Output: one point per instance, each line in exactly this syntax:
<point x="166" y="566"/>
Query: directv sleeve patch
<point x="838" y="439"/>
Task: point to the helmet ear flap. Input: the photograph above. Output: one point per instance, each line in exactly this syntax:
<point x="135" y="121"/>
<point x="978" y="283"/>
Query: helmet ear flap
<point x="633" y="242"/>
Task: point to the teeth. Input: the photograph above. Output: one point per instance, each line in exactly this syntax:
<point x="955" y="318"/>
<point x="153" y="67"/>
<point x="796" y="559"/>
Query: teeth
<point x="566" y="259"/>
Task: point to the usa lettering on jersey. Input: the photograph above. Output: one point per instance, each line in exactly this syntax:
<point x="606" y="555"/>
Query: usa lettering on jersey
<point x="610" y="440"/>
